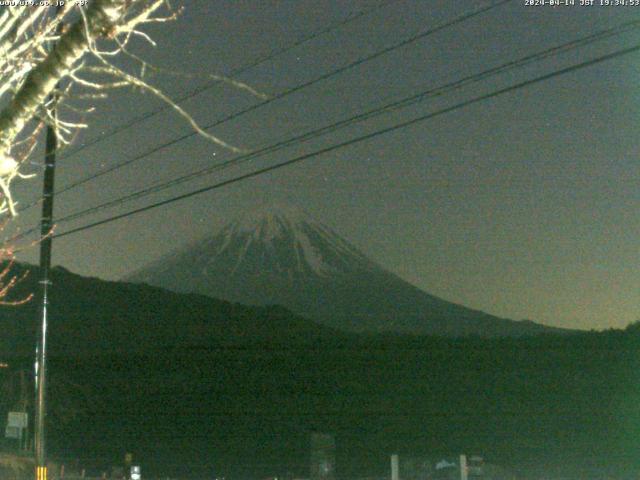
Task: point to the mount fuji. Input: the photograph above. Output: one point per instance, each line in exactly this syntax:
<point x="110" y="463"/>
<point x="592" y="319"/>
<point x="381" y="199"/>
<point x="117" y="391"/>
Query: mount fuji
<point x="278" y="255"/>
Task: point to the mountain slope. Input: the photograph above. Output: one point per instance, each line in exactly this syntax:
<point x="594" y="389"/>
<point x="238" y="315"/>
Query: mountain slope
<point x="92" y="316"/>
<point x="280" y="256"/>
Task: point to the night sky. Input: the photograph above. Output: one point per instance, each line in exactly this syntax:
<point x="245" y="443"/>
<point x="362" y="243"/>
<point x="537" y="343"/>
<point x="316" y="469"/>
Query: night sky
<point x="524" y="206"/>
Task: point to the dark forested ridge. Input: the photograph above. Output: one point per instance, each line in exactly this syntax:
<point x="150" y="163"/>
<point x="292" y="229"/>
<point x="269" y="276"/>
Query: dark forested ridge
<point x="195" y="385"/>
<point x="91" y="316"/>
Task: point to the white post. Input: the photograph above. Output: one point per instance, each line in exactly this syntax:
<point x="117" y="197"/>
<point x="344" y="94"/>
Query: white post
<point x="464" y="471"/>
<point x="395" y="467"/>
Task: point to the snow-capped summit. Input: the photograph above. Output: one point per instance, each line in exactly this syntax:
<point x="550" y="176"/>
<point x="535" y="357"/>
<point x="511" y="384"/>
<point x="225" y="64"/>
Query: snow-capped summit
<point x="279" y="255"/>
<point x="287" y="239"/>
<point x="270" y="217"/>
<point x="269" y="224"/>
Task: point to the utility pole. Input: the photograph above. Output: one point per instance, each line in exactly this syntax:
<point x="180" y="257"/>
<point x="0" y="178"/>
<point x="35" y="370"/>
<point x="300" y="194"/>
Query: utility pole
<point x="46" y="225"/>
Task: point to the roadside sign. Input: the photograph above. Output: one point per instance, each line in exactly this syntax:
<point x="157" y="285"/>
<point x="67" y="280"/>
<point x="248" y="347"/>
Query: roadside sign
<point x="16" y="424"/>
<point x="135" y="472"/>
<point x="17" y="419"/>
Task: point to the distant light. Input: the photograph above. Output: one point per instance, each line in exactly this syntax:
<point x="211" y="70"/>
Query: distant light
<point x="4" y="365"/>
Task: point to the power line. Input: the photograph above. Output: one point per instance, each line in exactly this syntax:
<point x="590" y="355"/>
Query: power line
<point x="461" y="18"/>
<point x="198" y="90"/>
<point x="402" y="103"/>
<point x="478" y="99"/>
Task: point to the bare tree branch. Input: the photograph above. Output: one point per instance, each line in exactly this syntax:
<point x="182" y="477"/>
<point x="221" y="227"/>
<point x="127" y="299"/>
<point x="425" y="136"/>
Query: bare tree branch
<point x="45" y="67"/>
<point x="102" y="16"/>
